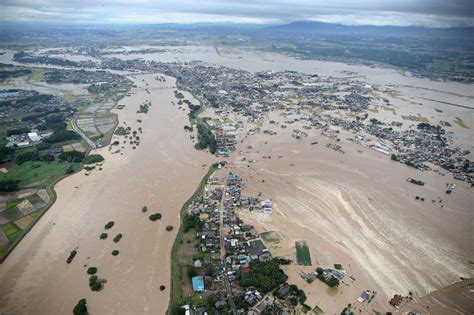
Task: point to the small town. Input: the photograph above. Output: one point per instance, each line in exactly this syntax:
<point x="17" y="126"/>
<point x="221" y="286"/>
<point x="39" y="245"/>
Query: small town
<point x="329" y="105"/>
<point x="229" y="269"/>
<point x="232" y="271"/>
<point x="218" y="168"/>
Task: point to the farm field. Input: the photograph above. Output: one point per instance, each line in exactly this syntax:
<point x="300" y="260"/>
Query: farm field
<point x="37" y="173"/>
<point x="270" y="237"/>
<point x="303" y="256"/>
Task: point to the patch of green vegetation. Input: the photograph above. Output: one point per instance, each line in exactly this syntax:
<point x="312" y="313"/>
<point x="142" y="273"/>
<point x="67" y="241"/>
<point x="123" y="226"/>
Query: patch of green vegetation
<point x="438" y="110"/>
<point x="80" y="308"/>
<point x="62" y="135"/>
<point x="338" y="266"/>
<point x="43" y="173"/>
<point x="71" y="256"/>
<point x="332" y="282"/>
<point x="191" y="222"/>
<point x="12" y="231"/>
<point x="155" y="216"/>
<point x="8" y="185"/>
<point x="92" y="270"/>
<point x="12" y="213"/>
<point x="257" y="244"/>
<point x="121" y="131"/>
<point x="2" y="250"/>
<point x="169" y="228"/>
<point x="36" y="213"/>
<point x="191" y="271"/>
<point x="460" y="123"/>
<point x="178" y="94"/>
<point x="94" y="283"/>
<point x="144" y="209"/>
<point x="109" y="225"/>
<point x="306" y="308"/>
<point x="143" y="109"/>
<point x="103" y="236"/>
<point x="265" y="276"/>
<point x="303" y="257"/>
<point x="318" y="310"/>
<point x="206" y="138"/>
<point x="270" y="237"/>
<point x="93" y="158"/>
<point x="176" y="294"/>
<point x="118" y="237"/>
<point x="115" y="252"/>
<point x="72" y="156"/>
<point x="13" y="202"/>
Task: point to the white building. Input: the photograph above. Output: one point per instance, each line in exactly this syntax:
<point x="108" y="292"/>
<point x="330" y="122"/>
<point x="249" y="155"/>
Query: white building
<point x="34" y="137"/>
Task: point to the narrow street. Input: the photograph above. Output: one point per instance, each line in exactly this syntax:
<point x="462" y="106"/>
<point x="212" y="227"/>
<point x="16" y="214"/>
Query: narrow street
<point x="225" y="277"/>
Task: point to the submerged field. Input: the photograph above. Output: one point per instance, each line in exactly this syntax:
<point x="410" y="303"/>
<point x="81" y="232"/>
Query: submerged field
<point x="38" y="173"/>
<point x="343" y="209"/>
<point x="162" y="172"/>
<point x="303" y="256"/>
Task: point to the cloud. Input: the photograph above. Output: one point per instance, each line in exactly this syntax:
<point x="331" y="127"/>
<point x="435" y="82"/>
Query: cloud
<point x="438" y="13"/>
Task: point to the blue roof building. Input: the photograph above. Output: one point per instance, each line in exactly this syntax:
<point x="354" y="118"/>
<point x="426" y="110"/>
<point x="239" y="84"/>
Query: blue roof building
<point x="198" y="284"/>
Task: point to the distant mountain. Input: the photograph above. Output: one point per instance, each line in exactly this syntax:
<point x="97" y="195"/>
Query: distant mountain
<point x="328" y="28"/>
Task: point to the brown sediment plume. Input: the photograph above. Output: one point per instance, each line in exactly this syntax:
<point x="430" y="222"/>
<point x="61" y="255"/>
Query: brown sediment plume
<point x="161" y="173"/>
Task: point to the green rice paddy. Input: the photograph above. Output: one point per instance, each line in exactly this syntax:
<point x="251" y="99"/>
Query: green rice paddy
<point x="303" y="256"/>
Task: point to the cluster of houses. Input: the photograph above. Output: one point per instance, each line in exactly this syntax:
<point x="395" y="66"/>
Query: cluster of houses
<point x="313" y="98"/>
<point x="237" y="244"/>
<point x="26" y="139"/>
<point x="226" y="139"/>
<point x="254" y="95"/>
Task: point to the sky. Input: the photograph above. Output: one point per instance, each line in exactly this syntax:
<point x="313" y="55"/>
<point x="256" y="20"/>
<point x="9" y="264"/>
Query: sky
<point x="428" y="13"/>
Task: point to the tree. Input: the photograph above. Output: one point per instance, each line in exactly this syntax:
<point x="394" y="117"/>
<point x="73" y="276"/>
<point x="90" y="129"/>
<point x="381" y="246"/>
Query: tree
<point x="265" y="276"/>
<point x="192" y="272"/>
<point x="155" y="216"/>
<point x="72" y="156"/>
<point x="62" y="135"/>
<point x="27" y="156"/>
<point x="92" y="270"/>
<point x="80" y="308"/>
<point x="333" y="282"/>
<point x="109" y="225"/>
<point x="208" y="271"/>
<point x="8" y="185"/>
<point x="93" y="158"/>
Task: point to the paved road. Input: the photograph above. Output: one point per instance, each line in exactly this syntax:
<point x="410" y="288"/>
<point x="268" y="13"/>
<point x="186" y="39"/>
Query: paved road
<point x="226" y="282"/>
<point x="82" y="134"/>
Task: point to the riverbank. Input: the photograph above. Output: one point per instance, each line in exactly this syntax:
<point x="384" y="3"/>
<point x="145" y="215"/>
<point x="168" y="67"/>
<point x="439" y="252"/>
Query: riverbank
<point x="176" y="292"/>
<point x="160" y="173"/>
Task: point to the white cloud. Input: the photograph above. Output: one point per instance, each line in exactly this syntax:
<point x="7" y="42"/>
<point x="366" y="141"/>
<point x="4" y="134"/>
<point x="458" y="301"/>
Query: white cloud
<point x="440" y="13"/>
<point x="396" y="19"/>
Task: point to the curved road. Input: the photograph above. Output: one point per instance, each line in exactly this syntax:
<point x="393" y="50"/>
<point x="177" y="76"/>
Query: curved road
<point x="82" y="134"/>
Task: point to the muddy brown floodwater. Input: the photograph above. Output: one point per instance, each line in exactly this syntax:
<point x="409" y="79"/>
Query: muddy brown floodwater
<point x="162" y="172"/>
